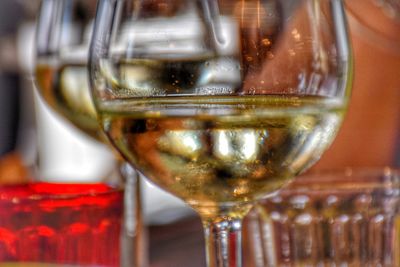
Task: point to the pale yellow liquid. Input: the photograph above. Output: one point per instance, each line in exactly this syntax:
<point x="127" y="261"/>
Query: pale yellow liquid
<point x="66" y="89"/>
<point x="221" y="150"/>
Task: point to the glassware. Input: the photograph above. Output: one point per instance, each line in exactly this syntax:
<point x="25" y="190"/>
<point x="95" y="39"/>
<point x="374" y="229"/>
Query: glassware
<point x="61" y="224"/>
<point x="64" y="28"/>
<point x="330" y="218"/>
<point x="221" y="103"/>
<point x="63" y="34"/>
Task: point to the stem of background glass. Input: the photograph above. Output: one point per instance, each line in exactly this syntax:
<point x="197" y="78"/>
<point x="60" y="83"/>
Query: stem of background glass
<point x="133" y="246"/>
<point x="223" y="242"/>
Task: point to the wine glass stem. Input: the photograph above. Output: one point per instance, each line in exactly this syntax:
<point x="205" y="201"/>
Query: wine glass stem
<point x="223" y="242"/>
<point x="134" y="237"/>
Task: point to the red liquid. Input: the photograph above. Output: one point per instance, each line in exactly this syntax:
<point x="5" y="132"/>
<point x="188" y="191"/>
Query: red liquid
<point x="74" y="224"/>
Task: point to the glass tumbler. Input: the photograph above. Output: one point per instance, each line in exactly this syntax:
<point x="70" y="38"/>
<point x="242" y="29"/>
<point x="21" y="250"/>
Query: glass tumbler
<point x="338" y="218"/>
<point x="60" y="224"/>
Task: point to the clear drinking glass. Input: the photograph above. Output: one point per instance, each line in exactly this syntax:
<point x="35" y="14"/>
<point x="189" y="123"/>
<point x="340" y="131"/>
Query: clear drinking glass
<point x="220" y="103"/>
<point x="335" y="218"/>
<point x="63" y="33"/>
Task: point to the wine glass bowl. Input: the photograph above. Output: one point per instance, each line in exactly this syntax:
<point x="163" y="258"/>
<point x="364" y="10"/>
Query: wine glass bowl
<point x="63" y="34"/>
<point x="220" y="103"/>
<point x="63" y="31"/>
<point x="224" y="109"/>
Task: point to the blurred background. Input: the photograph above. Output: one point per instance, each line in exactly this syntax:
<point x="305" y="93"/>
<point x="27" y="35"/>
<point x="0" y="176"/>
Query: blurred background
<point x="370" y="136"/>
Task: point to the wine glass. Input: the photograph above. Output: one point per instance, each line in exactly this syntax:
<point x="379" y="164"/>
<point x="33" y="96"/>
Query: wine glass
<point x="63" y="33"/>
<point x="64" y="28"/>
<point x="220" y="103"/>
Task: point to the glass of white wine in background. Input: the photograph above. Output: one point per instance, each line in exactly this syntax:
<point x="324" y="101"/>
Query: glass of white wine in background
<point x="63" y="34"/>
<point x="220" y="103"/>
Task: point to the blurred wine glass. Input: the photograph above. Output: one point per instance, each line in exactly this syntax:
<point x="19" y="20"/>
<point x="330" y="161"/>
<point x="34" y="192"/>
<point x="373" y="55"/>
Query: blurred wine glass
<point x="63" y="33"/>
<point x="44" y="224"/>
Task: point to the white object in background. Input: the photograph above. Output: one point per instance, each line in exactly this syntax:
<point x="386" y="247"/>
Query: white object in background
<point x="67" y="155"/>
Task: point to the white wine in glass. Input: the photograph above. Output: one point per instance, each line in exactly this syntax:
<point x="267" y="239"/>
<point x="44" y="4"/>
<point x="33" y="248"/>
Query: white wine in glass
<point x="64" y="28"/>
<point x="221" y="103"/>
<point x="223" y="150"/>
<point x="65" y="88"/>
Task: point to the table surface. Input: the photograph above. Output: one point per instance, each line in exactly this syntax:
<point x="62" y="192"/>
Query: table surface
<point x="179" y="244"/>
